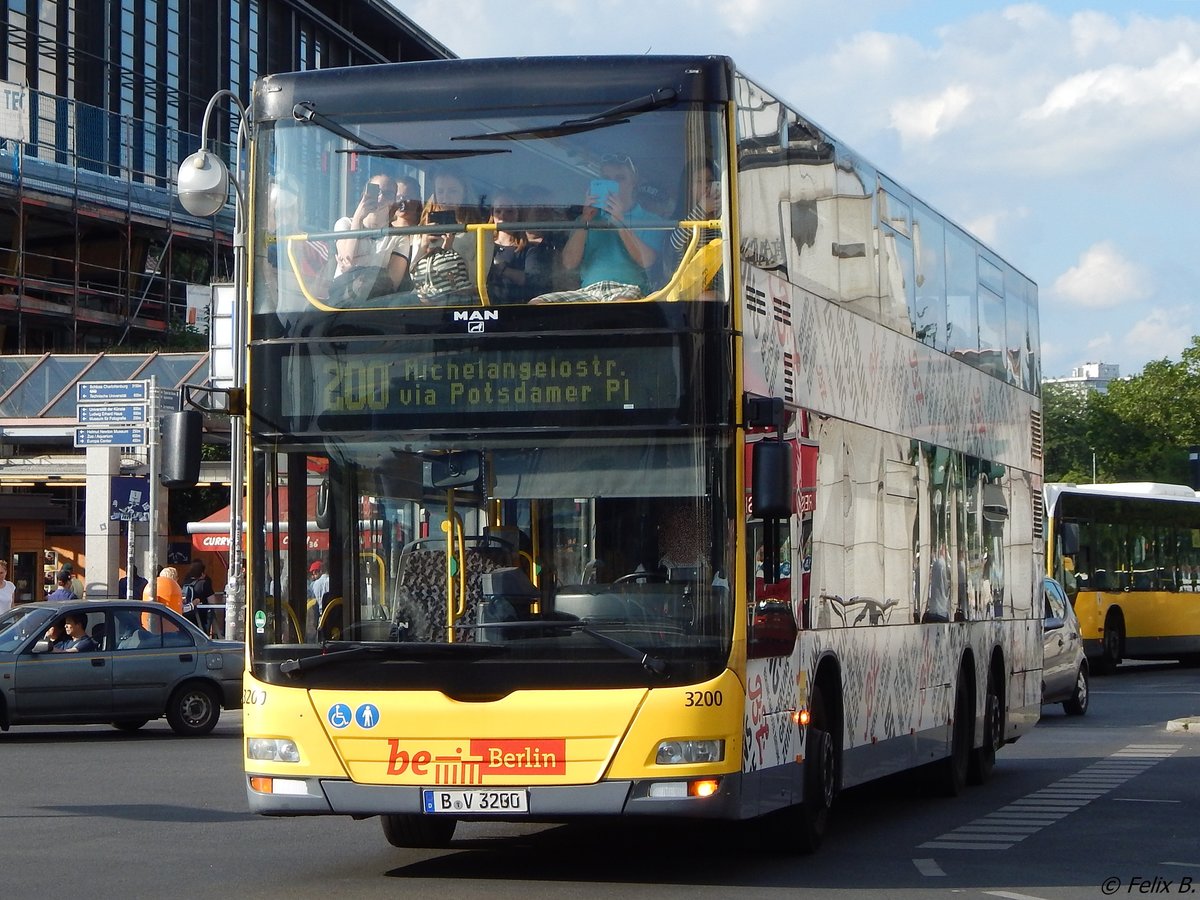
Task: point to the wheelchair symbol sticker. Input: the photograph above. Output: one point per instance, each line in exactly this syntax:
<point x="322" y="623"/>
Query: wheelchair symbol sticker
<point x="339" y="715"/>
<point x="367" y="716"/>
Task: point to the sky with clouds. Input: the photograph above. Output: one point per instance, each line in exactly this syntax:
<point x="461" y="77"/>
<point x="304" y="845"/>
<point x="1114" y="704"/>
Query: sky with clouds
<point x="1066" y="135"/>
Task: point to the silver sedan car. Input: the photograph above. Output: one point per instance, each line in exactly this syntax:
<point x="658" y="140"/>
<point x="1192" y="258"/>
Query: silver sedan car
<point x="1065" y="675"/>
<point x="117" y="661"/>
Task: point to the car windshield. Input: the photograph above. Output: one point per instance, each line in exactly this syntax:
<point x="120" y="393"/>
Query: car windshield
<point x="19" y="623"/>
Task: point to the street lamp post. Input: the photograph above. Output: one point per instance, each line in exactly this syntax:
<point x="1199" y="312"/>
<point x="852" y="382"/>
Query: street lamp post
<point x="203" y="187"/>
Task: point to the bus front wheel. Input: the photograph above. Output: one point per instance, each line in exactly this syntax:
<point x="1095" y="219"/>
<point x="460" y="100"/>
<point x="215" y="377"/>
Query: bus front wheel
<point x="418" y="830"/>
<point x="1112" y="642"/>
<point x="820" y="776"/>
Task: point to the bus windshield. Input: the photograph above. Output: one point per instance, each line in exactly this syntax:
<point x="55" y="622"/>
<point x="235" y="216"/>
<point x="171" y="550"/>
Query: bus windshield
<point x="595" y="557"/>
<point x="346" y="196"/>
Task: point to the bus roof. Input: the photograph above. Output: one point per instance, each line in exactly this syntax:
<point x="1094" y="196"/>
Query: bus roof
<point x="481" y="83"/>
<point x="1132" y="489"/>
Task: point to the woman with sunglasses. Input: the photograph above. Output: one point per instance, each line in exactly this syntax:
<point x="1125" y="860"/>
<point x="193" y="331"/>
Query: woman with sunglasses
<point x="407" y="211"/>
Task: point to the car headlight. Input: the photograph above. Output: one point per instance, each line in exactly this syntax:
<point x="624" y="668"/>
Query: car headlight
<point x="674" y="753"/>
<point x="272" y="749"/>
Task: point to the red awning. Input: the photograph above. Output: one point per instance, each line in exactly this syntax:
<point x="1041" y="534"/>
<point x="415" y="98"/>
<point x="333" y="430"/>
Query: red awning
<point x="212" y="532"/>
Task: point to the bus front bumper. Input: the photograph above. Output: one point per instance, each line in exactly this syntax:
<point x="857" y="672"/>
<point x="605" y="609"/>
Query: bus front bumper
<point x="330" y="796"/>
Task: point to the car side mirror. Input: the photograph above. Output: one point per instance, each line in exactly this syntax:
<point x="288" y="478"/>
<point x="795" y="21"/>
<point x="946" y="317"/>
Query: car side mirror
<point x="40" y="647"/>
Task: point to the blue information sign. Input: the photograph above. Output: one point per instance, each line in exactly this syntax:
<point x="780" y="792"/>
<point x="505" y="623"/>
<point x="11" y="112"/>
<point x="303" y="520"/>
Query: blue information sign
<point x="112" y="390"/>
<point x="110" y="437"/>
<point x="110" y="413"/>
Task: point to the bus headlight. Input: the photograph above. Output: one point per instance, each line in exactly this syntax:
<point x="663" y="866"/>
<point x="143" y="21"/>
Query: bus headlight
<point x="675" y="753"/>
<point x="272" y="749"/>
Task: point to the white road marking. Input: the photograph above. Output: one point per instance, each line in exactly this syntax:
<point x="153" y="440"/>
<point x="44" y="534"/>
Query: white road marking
<point x="1010" y="895"/>
<point x="929" y="868"/>
<point x="1011" y="824"/>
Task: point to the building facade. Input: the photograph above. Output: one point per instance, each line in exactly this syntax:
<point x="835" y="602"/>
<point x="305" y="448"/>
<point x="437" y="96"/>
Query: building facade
<point x="100" y="101"/>
<point x="1089" y="377"/>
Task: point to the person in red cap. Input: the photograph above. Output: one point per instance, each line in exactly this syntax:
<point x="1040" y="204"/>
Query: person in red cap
<point x="318" y="585"/>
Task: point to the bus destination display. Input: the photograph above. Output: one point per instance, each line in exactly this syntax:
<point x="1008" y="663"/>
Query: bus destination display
<point x="482" y="381"/>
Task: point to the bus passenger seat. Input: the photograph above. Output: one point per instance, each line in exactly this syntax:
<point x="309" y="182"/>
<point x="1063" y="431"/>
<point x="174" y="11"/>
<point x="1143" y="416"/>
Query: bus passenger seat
<point x="422" y="604"/>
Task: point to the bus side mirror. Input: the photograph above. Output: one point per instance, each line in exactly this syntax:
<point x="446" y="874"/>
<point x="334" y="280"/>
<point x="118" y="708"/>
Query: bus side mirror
<point x="771" y="480"/>
<point x="182" y="436"/>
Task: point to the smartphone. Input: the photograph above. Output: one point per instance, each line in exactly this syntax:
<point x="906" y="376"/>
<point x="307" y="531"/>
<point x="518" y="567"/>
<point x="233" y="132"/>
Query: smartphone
<point x="373" y="192"/>
<point x="600" y="188"/>
<point x="442" y="217"/>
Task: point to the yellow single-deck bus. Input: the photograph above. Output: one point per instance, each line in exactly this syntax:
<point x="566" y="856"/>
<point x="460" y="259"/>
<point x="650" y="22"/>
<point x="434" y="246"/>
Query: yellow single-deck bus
<point x="1129" y="558"/>
<point x="703" y="485"/>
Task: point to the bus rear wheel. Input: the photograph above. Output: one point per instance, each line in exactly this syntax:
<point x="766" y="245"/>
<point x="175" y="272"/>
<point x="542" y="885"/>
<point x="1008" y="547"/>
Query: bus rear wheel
<point x="983" y="760"/>
<point x="950" y="774"/>
<point x="417" y="830"/>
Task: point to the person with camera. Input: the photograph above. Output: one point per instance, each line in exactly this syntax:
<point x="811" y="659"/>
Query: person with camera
<point x="613" y="262"/>
<point x="370" y="266"/>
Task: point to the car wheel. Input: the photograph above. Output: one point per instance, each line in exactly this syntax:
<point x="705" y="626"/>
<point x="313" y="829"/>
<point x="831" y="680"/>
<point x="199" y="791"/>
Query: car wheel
<point x="193" y="709"/>
<point x="129" y="724"/>
<point x="1078" y="704"/>
<point x="418" y="831"/>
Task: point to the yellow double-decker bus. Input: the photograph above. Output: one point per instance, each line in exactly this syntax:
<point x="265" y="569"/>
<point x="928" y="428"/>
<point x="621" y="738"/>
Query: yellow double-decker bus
<point x="672" y="462"/>
<point x="1129" y="558"/>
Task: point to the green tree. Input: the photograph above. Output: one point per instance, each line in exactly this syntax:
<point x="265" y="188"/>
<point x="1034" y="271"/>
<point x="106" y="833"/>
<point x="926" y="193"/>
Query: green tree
<point x="1158" y="412"/>
<point x="1067" y="445"/>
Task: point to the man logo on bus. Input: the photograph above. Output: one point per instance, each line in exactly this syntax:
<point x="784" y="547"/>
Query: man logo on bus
<point x="484" y="758"/>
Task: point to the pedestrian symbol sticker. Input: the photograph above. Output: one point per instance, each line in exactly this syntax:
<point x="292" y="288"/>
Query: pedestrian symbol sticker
<point x="367" y="716"/>
<point x="339" y="715"/>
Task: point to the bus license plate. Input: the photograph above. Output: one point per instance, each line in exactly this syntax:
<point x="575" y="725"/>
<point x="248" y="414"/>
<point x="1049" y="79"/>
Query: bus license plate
<point x="479" y="803"/>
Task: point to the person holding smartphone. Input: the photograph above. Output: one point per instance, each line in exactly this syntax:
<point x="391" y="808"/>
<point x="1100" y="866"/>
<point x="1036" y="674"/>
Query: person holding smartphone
<point x="371" y="266"/>
<point x="450" y="204"/>
<point x="613" y="263"/>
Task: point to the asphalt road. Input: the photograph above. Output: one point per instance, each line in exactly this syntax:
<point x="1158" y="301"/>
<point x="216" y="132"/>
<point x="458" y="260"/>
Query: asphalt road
<point x="91" y="812"/>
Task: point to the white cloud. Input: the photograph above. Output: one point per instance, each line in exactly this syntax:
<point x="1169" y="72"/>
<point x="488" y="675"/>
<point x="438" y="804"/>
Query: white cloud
<point x="1171" y="83"/>
<point x="1162" y="333"/>
<point x="923" y="118"/>
<point x="1102" y="279"/>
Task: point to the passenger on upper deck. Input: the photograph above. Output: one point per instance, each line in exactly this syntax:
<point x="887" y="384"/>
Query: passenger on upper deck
<point x="450" y="203"/>
<point x="704" y="199"/>
<point x="371" y="266"/>
<point x="407" y="211"/>
<point x="506" y="281"/>
<point x="613" y="263"/>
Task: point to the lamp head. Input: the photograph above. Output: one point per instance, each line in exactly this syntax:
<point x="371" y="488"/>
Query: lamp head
<point x="203" y="184"/>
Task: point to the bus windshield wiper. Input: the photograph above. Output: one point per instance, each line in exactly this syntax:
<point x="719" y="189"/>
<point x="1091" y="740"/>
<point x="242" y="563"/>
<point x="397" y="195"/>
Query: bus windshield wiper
<point x="660" y="98"/>
<point x="340" y="651"/>
<point x="654" y="664"/>
<point x="614" y="115"/>
<point x="545" y="131"/>
<point x="295" y="667"/>
<point x="396" y="153"/>
<point x="306" y="111"/>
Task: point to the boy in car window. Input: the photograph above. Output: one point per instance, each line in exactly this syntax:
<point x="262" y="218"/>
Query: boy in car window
<point x="78" y="640"/>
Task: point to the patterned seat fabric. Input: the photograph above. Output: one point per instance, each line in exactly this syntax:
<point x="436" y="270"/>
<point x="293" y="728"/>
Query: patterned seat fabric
<point x="421" y="599"/>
